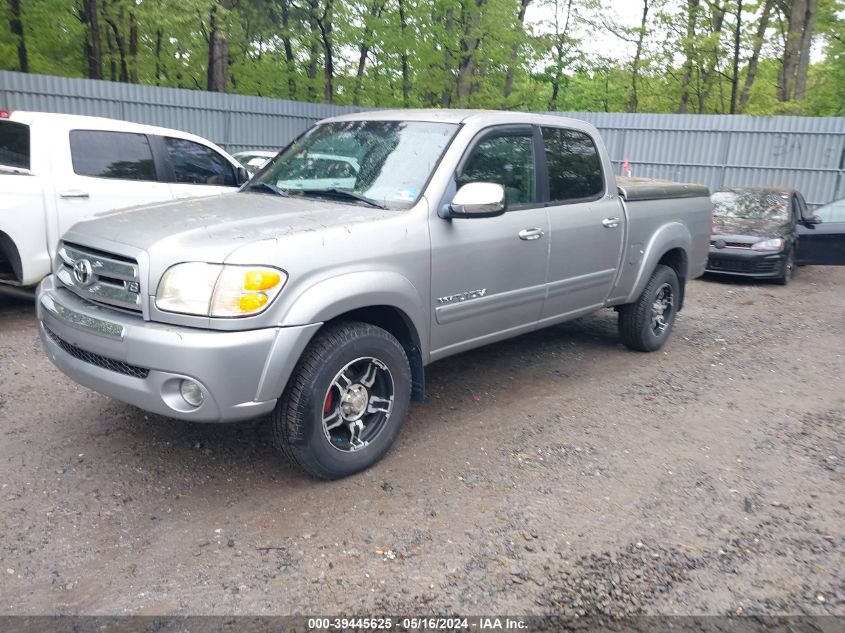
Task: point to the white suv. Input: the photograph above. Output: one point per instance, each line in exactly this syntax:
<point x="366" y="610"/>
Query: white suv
<point x="58" y="169"/>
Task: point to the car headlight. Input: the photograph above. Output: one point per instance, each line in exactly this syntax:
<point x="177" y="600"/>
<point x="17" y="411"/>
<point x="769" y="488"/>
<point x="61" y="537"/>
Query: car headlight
<point x="769" y="245"/>
<point x="217" y="290"/>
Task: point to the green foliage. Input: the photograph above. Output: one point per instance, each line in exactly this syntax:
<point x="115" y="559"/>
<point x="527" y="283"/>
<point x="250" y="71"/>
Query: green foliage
<point x="460" y="53"/>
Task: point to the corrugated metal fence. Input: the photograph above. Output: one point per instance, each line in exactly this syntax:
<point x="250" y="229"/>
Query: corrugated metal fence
<point x="716" y="150"/>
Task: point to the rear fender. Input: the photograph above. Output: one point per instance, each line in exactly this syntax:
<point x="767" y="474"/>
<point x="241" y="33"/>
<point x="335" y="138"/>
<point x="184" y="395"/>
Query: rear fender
<point x="667" y="237"/>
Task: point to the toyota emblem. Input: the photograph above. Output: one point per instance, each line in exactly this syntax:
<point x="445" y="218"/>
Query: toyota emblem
<point x="720" y="243"/>
<point x="83" y="272"/>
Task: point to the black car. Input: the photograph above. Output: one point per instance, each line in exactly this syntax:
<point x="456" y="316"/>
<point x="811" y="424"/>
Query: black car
<point x="765" y="232"/>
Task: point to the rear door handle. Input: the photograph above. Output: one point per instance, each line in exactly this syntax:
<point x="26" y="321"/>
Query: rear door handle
<point x="74" y="194"/>
<point x="531" y="234"/>
<point x="610" y="223"/>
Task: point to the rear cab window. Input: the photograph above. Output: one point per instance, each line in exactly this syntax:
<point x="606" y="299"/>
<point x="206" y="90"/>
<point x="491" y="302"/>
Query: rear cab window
<point x="575" y="172"/>
<point x="120" y="155"/>
<point x="196" y="164"/>
<point x="14" y="144"/>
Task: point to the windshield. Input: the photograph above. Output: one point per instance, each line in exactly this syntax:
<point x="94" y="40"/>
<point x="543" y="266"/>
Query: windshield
<point x="833" y="212"/>
<point x="387" y="162"/>
<point x="751" y="205"/>
<point x="14" y="144"/>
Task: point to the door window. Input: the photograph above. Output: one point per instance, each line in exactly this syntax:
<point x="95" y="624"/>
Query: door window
<point x="574" y="165"/>
<point x="505" y="160"/>
<point x="121" y="155"/>
<point x="196" y="164"/>
<point x="14" y="144"/>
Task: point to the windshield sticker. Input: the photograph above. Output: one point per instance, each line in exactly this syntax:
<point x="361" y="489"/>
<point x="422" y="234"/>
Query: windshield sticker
<point x="406" y="194"/>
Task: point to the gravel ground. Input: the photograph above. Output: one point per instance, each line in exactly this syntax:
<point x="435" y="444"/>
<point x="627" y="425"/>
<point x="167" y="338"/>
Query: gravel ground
<point x="557" y="473"/>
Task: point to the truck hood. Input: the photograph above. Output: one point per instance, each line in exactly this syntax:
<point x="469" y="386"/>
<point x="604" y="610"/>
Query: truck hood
<point x="209" y="229"/>
<point x="741" y="227"/>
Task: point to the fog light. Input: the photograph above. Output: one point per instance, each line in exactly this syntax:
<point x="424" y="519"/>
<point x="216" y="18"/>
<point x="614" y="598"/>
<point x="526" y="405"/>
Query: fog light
<point x="191" y="392"/>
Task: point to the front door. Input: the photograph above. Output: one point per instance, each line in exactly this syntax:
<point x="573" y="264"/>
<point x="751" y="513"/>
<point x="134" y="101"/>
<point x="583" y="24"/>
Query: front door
<point x="587" y="227"/>
<point x="821" y="235"/>
<point x="488" y="274"/>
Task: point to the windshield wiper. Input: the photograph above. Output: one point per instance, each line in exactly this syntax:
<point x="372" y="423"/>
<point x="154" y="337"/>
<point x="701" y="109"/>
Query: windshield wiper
<point x="343" y="193"/>
<point x="268" y="187"/>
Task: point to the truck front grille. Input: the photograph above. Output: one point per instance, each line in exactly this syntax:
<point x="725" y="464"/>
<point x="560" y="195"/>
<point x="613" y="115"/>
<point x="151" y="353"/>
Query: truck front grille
<point x="95" y="359"/>
<point x="100" y="277"/>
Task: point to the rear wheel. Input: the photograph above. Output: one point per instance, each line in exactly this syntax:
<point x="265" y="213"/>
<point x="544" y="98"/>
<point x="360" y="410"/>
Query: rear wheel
<point x="346" y="401"/>
<point x="645" y="325"/>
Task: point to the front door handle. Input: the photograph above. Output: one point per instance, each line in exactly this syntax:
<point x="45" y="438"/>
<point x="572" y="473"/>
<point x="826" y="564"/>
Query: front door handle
<point x="74" y="194"/>
<point x="531" y="234"/>
<point x="610" y="223"/>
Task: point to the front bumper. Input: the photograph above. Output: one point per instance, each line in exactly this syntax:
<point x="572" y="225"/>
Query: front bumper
<point x="746" y="262"/>
<point x="241" y="374"/>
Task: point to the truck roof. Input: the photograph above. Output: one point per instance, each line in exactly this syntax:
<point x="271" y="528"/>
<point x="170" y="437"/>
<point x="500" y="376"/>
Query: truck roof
<point x="456" y="116"/>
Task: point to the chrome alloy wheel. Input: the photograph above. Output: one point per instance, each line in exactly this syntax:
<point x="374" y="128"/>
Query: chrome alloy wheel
<point x="358" y="404"/>
<point x="661" y="309"/>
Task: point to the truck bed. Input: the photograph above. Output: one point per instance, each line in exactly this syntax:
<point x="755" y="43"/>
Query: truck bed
<point x="651" y="189"/>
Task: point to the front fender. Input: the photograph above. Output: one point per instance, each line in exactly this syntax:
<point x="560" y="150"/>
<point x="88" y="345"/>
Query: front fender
<point x="332" y="297"/>
<point x="666" y="238"/>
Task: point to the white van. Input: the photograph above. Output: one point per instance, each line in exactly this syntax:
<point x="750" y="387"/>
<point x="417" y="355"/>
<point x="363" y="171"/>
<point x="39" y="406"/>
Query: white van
<point x="58" y="169"/>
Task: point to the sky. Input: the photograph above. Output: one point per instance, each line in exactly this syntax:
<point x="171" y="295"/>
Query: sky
<point x="623" y="12"/>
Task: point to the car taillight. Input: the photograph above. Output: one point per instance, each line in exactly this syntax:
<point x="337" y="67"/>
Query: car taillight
<point x="5" y="114"/>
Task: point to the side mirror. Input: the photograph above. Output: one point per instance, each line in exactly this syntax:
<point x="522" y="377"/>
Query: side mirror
<point x="478" y="200"/>
<point x="242" y="175"/>
<point x="812" y="219"/>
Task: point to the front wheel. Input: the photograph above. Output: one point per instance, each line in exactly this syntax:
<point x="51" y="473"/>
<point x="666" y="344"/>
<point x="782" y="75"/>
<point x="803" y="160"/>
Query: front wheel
<point x="346" y="401"/>
<point x="645" y="325"/>
<point x="788" y="270"/>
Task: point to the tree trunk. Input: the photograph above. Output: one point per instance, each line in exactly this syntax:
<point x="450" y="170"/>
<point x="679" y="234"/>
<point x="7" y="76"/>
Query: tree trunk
<point x="374" y="10"/>
<point x="16" y="26"/>
<point x="735" y="76"/>
<point x="806" y="45"/>
<point x="633" y="104"/>
<point x="446" y="99"/>
<point x="792" y="51"/>
<point x="523" y="5"/>
<point x="759" y="38"/>
<point x="470" y="41"/>
<point x="314" y="50"/>
<point x="120" y="42"/>
<point x="406" y="76"/>
<point x="689" y="51"/>
<point x="133" y="48"/>
<point x="290" y="61"/>
<point x="159" y="42"/>
<point x="217" y="79"/>
<point x="325" y="24"/>
<point x="717" y="21"/>
<point x="93" y="41"/>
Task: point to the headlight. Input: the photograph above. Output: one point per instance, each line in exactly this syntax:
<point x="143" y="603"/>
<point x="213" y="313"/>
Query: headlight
<point x="769" y="245"/>
<point x="218" y="291"/>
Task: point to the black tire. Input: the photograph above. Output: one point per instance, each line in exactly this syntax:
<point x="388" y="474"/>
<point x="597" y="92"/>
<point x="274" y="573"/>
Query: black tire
<point x="299" y="426"/>
<point x="636" y="324"/>
<point x="787" y="272"/>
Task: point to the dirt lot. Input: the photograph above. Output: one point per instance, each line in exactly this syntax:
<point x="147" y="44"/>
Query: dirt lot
<point x="555" y="473"/>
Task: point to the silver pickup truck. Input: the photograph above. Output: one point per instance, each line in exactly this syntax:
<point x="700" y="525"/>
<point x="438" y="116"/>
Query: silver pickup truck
<point x="371" y="246"/>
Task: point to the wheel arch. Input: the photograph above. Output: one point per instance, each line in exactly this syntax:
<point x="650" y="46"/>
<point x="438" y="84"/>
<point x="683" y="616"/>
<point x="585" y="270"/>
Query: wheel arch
<point x="670" y="246"/>
<point x="10" y="258"/>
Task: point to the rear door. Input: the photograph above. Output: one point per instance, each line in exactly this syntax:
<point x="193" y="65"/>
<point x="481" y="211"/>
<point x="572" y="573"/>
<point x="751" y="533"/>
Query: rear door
<point x="587" y="227"/>
<point x="107" y="171"/>
<point x="197" y="170"/>
<point x="822" y="242"/>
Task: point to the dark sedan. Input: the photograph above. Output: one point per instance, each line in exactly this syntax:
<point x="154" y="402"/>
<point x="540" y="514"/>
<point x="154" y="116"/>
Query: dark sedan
<point x="766" y="232"/>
